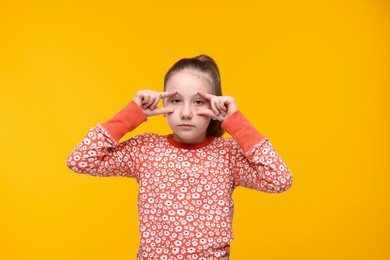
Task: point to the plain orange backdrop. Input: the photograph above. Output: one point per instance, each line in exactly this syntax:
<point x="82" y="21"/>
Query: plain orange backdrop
<point x="313" y="76"/>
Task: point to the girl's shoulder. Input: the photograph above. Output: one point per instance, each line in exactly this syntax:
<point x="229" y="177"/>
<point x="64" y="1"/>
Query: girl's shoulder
<point x="226" y="142"/>
<point x="226" y="146"/>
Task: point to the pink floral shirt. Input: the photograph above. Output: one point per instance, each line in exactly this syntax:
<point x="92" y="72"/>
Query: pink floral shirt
<point x="185" y="204"/>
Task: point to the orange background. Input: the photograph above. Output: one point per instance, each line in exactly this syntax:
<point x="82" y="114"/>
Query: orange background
<point x="313" y="76"/>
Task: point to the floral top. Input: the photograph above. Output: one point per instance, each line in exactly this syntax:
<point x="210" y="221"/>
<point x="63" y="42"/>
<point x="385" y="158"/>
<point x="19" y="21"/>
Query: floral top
<point x="185" y="204"/>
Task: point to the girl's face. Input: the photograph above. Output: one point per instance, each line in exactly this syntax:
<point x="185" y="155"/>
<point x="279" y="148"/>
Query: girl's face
<point x="186" y="125"/>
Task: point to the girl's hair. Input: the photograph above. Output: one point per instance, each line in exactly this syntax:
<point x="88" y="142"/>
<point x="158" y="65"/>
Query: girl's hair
<point x="205" y="64"/>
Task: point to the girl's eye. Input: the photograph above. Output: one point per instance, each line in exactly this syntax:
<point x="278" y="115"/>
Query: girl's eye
<point x="175" y="101"/>
<point x="199" y="102"/>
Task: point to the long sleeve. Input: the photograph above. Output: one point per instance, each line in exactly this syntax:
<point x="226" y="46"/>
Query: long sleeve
<point x="101" y="154"/>
<point x="256" y="165"/>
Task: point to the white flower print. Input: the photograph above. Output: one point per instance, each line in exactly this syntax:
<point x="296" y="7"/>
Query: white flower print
<point x="181" y="212"/>
<point x="185" y="203"/>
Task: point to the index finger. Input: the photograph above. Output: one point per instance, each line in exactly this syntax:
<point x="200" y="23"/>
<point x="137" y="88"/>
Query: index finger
<point x="167" y="94"/>
<point x="205" y="95"/>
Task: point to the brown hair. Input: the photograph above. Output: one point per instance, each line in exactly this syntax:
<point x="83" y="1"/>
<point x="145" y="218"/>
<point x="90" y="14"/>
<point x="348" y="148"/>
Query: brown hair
<point x="205" y="64"/>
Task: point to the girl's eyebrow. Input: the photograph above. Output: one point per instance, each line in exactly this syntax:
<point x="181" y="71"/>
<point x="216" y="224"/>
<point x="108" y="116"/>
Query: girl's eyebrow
<point x="178" y="94"/>
<point x="196" y="95"/>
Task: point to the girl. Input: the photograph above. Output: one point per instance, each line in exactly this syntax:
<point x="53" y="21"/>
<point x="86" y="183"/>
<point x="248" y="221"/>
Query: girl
<point x="186" y="179"/>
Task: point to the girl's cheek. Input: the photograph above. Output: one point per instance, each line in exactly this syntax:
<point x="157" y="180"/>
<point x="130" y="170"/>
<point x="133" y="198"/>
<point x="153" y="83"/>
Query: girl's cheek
<point x="168" y="105"/>
<point x="173" y="113"/>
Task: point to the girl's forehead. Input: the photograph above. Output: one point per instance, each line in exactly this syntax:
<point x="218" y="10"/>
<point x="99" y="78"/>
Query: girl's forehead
<point x="188" y="80"/>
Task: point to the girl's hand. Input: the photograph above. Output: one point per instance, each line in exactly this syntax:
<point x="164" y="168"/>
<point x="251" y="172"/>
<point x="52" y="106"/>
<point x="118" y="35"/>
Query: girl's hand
<point x="221" y="106"/>
<point x="148" y="100"/>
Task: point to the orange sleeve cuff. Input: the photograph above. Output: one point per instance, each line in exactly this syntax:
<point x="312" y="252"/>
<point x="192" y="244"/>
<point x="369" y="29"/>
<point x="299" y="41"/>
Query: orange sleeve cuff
<point x="125" y="121"/>
<point x="238" y="126"/>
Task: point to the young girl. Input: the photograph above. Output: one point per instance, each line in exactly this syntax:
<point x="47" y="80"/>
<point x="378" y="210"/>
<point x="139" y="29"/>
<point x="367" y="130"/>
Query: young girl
<point x="186" y="179"/>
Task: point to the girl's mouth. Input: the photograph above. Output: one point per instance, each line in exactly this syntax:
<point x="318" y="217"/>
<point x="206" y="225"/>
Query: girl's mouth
<point x="186" y="126"/>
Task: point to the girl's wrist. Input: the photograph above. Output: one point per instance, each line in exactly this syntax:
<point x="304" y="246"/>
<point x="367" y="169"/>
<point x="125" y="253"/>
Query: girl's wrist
<point x="125" y="121"/>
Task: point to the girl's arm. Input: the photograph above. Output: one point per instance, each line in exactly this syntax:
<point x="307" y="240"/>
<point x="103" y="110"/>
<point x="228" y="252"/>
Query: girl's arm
<point x="101" y="154"/>
<point x="256" y="164"/>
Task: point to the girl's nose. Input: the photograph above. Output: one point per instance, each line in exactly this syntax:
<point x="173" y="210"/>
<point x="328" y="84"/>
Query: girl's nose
<point x="186" y="112"/>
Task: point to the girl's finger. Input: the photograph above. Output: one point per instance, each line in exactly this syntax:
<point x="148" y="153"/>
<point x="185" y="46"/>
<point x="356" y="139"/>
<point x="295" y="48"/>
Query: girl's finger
<point x="214" y="106"/>
<point x="212" y="99"/>
<point x="221" y="107"/>
<point x="150" y="102"/>
<point x="223" y="104"/>
<point x="205" y="95"/>
<point x="145" y="100"/>
<point x="153" y="102"/>
<point x="161" y="111"/>
<point x="207" y="112"/>
<point x="167" y="94"/>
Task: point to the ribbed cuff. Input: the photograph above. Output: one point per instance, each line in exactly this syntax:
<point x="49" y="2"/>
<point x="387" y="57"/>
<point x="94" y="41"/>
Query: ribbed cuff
<point x="125" y="121"/>
<point x="238" y="126"/>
